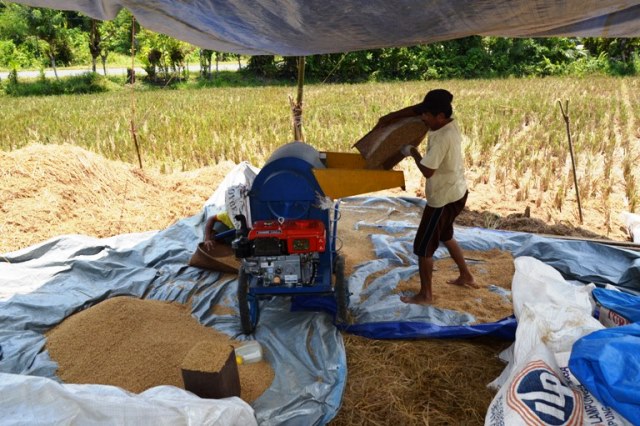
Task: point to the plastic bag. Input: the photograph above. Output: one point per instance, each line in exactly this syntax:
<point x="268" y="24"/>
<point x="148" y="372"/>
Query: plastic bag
<point x="607" y="363"/>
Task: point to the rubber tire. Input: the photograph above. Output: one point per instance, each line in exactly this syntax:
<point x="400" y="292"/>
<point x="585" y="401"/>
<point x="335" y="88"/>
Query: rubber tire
<point x="243" y="302"/>
<point x="341" y="291"/>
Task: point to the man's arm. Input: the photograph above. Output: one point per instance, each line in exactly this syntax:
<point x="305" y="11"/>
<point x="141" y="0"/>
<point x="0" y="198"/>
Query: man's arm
<point x="426" y="172"/>
<point x="208" y="231"/>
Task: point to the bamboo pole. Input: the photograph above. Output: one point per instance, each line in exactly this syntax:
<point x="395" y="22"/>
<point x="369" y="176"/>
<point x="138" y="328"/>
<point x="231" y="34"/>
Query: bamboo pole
<point x="296" y="107"/>
<point x="565" y="115"/>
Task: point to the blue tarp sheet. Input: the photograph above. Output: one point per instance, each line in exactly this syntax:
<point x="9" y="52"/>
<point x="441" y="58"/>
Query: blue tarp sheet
<point x="67" y="274"/>
<point x="607" y="363"/>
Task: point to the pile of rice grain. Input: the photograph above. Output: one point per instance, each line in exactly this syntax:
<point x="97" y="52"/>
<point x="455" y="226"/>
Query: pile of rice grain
<point x="138" y="344"/>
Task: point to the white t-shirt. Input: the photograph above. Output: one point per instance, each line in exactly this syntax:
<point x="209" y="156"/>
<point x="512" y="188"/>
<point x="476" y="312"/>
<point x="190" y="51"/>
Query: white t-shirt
<point x="444" y="155"/>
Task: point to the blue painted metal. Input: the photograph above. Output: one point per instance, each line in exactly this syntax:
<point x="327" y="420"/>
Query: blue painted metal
<point x="254" y="313"/>
<point x="286" y="188"/>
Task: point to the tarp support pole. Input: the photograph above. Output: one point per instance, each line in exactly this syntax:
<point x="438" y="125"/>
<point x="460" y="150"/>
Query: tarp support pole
<point x="296" y="108"/>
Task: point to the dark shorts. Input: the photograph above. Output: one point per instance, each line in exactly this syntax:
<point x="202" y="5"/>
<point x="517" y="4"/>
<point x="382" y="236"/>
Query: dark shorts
<point x="436" y="225"/>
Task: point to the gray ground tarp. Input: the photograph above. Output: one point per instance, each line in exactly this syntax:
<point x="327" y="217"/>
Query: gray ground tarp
<point x="72" y="273"/>
<point x="305" y="27"/>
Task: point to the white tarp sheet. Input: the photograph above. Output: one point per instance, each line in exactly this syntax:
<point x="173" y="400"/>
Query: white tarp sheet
<point x="305" y="27"/>
<point x="29" y="400"/>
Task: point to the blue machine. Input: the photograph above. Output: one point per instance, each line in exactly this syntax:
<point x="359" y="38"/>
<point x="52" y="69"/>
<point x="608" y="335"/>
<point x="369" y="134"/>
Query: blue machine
<point x="290" y="246"/>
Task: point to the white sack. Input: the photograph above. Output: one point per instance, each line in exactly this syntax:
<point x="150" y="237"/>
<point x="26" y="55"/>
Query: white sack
<point x="30" y="400"/>
<point x="535" y="283"/>
<point x="536" y="387"/>
<point x="544" y="392"/>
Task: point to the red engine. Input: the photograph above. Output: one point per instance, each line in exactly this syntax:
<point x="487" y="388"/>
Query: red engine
<point x="272" y="238"/>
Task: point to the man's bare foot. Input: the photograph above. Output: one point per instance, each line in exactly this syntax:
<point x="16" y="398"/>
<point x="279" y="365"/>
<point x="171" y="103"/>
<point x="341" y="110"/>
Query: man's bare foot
<point x="417" y="299"/>
<point x="464" y="282"/>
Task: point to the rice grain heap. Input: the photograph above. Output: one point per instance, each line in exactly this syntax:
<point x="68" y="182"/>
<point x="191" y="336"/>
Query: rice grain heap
<point x="138" y="344"/>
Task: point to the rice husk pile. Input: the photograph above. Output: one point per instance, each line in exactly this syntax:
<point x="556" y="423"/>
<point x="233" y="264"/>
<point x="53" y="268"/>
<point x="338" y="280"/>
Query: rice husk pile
<point x="380" y="147"/>
<point x="138" y="344"/>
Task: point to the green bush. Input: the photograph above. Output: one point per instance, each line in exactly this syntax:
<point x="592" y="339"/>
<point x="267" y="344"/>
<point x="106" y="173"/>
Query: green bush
<point x="82" y="84"/>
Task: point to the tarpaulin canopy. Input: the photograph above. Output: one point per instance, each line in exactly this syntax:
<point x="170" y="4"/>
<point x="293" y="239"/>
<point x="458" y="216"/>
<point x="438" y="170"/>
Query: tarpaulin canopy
<point x="305" y="27"/>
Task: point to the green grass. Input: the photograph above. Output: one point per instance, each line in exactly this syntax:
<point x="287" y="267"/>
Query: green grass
<point x="515" y="128"/>
<point x="75" y="85"/>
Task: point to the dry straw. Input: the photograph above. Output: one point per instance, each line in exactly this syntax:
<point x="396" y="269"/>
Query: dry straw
<point x="52" y="190"/>
<point x="418" y="382"/>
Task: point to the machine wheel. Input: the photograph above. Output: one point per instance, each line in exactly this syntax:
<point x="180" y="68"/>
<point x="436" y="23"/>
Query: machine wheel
<point x="341" y="291"/>
<point x="243" y="303"/>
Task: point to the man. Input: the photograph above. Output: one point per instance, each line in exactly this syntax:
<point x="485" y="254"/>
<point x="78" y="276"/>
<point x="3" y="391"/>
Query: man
<point x="218" y="224"/>
<point x="446" y="189"/>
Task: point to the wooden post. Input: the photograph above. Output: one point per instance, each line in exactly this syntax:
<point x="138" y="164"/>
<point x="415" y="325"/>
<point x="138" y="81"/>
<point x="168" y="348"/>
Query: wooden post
<point x="296" y="107"/>
<point x="565" y="115"/>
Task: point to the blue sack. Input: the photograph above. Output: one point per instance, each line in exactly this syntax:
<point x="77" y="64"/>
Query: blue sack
<point x="615" y="308"/>
<point x="607" y="363"/>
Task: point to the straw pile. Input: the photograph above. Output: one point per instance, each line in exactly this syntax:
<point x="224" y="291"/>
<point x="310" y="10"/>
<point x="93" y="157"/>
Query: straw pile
<point x="138" y="344"/>
<point x="421" y="382"/>
<point x="52" y="190"/>
<point x="522" y="223"/>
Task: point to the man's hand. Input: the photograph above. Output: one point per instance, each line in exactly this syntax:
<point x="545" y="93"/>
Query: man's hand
<point x="406" y="150"/>
<point x="209" y="245"/>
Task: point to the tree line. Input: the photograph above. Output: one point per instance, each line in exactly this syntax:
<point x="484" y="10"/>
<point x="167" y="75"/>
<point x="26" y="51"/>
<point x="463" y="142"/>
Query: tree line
<point x="42" y="38"/>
